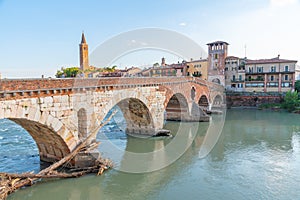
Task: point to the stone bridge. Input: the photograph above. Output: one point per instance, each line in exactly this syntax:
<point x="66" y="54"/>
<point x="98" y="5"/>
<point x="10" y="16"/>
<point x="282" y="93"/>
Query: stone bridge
<point x="59" y="113"/>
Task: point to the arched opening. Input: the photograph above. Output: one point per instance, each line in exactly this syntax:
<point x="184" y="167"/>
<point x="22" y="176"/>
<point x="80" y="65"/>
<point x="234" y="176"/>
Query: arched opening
<point x="18" y="150"/>
<point x="135" y="114"/>
<point x="177" y="108"/>
<point x="193" y="93"/>
<point x="218" y="101"/>
<point x="216" y="80"/>
<point x="203" y="103"/>
<point x="82" y="123"/>
<point x="23" y="151"/>
<point x="132" y="118"/>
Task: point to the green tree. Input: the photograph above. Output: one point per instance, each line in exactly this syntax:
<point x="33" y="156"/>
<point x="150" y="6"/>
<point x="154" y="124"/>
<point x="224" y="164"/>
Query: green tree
<point x="67" y="72"/>
<point x="59" y="74"/>
<point x="297" y="86"/>
<point x="156" y="65"/>
<point x="291" y="101"/>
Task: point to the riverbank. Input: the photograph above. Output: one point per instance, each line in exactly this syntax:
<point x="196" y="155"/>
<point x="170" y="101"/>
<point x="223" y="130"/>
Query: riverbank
<point x="272" y="101"/>
<point x="252" y="99"/>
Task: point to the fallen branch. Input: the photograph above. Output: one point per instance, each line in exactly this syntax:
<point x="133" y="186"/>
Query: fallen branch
<point x="12" y="182"/>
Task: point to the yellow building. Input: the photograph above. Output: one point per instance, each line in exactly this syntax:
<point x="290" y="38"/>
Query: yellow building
<point x="197" y="68"/>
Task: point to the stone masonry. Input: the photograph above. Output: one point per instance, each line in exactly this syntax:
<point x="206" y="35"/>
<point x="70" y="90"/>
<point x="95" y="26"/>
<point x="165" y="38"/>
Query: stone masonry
<point x="59" y="113"/>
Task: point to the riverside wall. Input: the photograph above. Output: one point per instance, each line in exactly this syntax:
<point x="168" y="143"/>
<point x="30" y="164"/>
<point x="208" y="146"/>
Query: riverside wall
<point x="252" y="99"/>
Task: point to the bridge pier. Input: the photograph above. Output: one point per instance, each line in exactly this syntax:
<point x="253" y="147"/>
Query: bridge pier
<point x="83" y="160"/>
<point x="182" y="114"/>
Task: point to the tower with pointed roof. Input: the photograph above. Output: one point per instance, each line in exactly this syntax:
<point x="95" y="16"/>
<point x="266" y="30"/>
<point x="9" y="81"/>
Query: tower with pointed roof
<point x="84" y="54"/>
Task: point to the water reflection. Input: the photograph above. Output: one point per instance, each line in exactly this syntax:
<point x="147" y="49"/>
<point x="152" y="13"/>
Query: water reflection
<point x="256" y="157"/>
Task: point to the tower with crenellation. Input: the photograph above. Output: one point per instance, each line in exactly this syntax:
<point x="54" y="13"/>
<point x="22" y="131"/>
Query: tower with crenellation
<point x="217" y="53"/>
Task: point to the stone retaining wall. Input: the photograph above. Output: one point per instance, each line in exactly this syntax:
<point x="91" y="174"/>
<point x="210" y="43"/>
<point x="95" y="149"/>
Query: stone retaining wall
<point x="251" y="99"/>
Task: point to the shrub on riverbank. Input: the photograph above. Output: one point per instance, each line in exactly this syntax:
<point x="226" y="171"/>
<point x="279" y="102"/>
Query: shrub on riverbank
<point x="291" y="101"/>
<point x="270" y="106"/>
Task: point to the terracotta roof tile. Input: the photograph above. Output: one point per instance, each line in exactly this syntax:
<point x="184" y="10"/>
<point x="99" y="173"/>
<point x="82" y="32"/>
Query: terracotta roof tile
<point x="267" y="61"/>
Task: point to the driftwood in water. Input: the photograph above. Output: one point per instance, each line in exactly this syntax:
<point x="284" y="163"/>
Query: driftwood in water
<point x="11" y="182"/>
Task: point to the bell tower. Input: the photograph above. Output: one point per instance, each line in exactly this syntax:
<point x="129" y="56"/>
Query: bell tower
<point x="84" y="54"/>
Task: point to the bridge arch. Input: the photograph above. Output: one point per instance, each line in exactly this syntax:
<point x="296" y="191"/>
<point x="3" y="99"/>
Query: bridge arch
<point x="216" y="80"/>
<point x="52" y="147"/>
<point x="137" y="116"/>
<point x="204" y="103"/>
<point x="177" y="108"/>
<point x="218" y="101"/>
<point x="136" y="109"/>
<point x="53" y="136"/>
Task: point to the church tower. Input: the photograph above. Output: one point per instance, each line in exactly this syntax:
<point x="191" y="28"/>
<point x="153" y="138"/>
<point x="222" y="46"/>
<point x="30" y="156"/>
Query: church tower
<point x="84" y="54"/>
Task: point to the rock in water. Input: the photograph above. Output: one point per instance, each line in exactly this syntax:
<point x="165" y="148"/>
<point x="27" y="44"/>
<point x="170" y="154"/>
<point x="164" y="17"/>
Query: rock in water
<point x="162" y="133"/>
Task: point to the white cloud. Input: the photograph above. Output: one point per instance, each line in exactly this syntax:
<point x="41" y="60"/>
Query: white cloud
<point x="282" y="3"/>
<point x="182" y="24"/>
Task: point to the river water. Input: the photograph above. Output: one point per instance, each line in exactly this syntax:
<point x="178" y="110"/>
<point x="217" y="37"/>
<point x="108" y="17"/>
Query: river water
<point x="256" y="157"/>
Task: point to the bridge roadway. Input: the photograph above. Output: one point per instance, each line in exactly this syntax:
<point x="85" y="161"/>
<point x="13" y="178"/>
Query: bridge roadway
<point x="59" y="113"/>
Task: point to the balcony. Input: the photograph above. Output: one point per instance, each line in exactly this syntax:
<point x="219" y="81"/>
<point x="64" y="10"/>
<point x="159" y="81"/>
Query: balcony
<point x="237" y="80"/>
<point x="255" y="80"/>
<point x="255" y="84"/>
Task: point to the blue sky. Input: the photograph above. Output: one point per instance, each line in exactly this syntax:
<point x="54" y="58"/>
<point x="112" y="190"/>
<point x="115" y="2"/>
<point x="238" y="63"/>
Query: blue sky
<point x="39" y="37"/>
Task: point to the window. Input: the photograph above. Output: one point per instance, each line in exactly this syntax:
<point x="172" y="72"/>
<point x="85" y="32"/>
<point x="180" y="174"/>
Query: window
<point x="216" y="56"/>
<point x="273" y="69"/>
<point x="233" y="77"/>
<point x="272" y="78"/>
<point x="286" y="77"/>
<point x="240" y="77"/>
<point x="260" y="69"/>
<point x="286" y="68"/>
<point x="251" y="70"/>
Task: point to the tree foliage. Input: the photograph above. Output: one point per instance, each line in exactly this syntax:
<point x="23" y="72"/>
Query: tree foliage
<point x="107" y="69"/>
<point x="156" y="65"/>
<point x="67" y="72"/>
<point x="291" y="101"/>
<point x="297" y="86"/>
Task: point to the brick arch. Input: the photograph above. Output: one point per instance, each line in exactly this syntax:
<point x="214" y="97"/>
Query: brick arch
<point x="200" y="91"/>
<point x="203" y="102"/>
<point x="177" y="107"/>
<point x="217" y="100"/>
